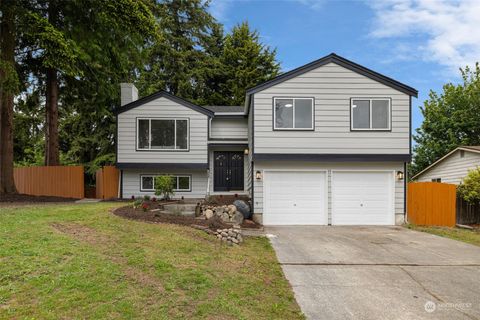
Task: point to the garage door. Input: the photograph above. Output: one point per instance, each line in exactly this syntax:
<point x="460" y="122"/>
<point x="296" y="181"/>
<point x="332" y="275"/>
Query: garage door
<point x="362" y="198"/>
<point x="294" y="197"/>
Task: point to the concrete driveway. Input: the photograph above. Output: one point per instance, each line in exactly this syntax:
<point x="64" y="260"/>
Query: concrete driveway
<point x="378" y="273"/>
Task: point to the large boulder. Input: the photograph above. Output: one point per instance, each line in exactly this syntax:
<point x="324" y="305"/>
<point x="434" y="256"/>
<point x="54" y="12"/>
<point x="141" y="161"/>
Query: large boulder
<point x="237" y="218"/>
<point x="208" y="214"/>
<point x="243" y="207"/>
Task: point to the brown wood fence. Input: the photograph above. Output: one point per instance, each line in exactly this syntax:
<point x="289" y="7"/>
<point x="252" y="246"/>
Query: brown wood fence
<point x="431" y="204"/>
<point x="59" y="181"/>
<point x="468" y="213"/>
<point x="107" y="182"/>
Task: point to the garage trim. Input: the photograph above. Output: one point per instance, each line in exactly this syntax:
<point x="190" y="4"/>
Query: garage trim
<point x="392" y="190"/>
<point x="265" y="176"/>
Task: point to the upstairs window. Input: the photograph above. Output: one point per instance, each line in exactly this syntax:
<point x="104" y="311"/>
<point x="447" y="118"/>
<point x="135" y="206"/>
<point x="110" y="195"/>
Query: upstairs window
<point x="370" y="114"/>
<point x="162" y="134"/>
<point x="293" y="113"/>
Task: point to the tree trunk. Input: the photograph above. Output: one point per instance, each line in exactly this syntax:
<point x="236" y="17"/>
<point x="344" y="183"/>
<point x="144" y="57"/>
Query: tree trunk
<point x="7" y="56"/>
<point x="51" y="119"/>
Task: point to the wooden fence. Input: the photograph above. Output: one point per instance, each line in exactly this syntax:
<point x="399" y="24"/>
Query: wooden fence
<point x="107" y="182"/>
<point x="467" y="213"/>
<point x="431" y="204"/>
<point x="59" y="181"/>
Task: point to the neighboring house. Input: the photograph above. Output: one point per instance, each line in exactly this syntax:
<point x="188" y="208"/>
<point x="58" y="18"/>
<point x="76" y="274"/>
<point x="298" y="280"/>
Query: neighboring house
<point x="452" y="167"/>
<point x="326" y="143"/>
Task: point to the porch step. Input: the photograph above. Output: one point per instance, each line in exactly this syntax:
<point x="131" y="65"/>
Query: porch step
<point x="180" y="213"/>
<point x="174" y="207"/>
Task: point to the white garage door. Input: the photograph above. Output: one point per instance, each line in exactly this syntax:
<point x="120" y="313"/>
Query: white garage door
<point x="362" y="198"/>
<point x="294" y="197"/>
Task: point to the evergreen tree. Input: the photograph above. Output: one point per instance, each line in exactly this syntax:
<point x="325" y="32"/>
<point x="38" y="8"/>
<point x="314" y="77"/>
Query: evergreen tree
<point x="247" y="62"/>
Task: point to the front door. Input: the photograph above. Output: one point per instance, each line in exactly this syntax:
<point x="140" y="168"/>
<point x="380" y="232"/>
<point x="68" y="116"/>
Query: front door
<point x="228" y="170"/>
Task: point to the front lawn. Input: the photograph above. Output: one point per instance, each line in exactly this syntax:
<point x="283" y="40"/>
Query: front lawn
<point x="465" y="235"/>
<point x="81" y="261"/>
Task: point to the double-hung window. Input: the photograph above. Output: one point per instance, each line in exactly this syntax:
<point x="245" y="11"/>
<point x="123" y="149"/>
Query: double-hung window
<point x="182" y="183"/>
<point x="293" y="113"/>
<point x="162" y="134"/>
<point x="370" y="114"/>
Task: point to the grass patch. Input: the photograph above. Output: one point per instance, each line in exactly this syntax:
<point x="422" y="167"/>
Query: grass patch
<point x="81" y="261"/>
<point x="465" y="235"/>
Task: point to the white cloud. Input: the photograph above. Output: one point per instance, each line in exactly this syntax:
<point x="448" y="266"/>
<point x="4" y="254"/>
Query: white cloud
<point x="443" y="31"/>
<point x="219" y="9"/>
<point x="312" y="4"/>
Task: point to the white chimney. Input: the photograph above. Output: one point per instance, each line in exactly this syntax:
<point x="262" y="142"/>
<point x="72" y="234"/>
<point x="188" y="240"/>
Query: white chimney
<point x="128" y="93"/>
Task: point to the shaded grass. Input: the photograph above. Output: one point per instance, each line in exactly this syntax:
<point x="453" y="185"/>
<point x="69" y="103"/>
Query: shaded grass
<point x="81" y="261"/>
<point x="465" y="235"/>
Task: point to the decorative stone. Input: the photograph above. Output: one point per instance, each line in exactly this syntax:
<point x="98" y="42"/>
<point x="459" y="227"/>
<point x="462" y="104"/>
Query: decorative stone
<point x="225" y="217"/>
<point x="208" y="214"/>
<point x="235" y="240"/>
<point x="238" y="218"/>
<point x="231" y="209"/>
<point x="243" y="207"/>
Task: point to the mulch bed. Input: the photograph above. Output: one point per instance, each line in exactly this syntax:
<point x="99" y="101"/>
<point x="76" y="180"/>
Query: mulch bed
<point x="158" y="217"/>
<point x="222" y="200"/>
<point x="18" y="198"/>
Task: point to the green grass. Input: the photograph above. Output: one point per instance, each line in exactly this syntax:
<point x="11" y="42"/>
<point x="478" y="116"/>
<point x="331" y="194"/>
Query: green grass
<point x="465" y="235"/>
<point x="81" y="261"/>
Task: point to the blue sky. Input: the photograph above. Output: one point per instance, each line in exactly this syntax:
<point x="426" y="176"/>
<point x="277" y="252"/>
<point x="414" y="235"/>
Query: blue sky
<point x="420" y="43"/>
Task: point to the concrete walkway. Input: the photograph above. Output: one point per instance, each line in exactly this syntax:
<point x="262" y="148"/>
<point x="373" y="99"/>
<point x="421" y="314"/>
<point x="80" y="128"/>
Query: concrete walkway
<point x="378" y="273"/>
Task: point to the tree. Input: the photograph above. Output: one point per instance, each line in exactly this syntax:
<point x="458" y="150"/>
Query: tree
<point x="176" y="63"/>
<point x="451" y="119"/>
<point x="164" y="186"/>
<point x="8" y="88"/>
<point x="469" y="189"/>
<point x="248" y="63"/>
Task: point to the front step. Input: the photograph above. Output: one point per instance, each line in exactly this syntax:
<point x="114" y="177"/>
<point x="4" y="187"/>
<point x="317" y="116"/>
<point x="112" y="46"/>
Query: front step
<point x="180" y="207"/>
<point x="179" y="213"/>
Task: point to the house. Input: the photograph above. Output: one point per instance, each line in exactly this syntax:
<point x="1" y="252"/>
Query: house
<point x="326" y="143"/>
<point x="452" y="167"/>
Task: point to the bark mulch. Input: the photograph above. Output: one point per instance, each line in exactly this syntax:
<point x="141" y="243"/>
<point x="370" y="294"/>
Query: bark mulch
<point x="25" y="199"/>
<point x="158" y="217"/>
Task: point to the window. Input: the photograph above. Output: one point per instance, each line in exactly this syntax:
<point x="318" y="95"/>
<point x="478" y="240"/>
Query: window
<point x="181" y="183"/>
<point x="293" y="113"/>
<point x="370" y="114"/>
<point x="162" y="134"/>
<point x="437" y="180"/>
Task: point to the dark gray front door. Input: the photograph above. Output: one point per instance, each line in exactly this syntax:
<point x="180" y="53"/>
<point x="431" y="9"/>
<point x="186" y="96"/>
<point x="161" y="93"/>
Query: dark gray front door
<point x="228" y="170"/>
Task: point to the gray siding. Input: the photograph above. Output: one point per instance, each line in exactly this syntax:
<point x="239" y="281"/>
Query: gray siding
<point x="225" y="128"/>
<point x="330" y="166"/>
<point x="131" y="183"/>
<point x="162" y="108"/>
<point x="452" y="169"/>
<point x="332" y="86"/>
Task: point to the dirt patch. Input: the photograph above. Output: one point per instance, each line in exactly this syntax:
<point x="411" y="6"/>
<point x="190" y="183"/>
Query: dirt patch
<point x="159" y="217"/>
<point x="80" y="232"/>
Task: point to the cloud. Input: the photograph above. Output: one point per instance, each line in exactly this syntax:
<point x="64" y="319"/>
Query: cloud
<point x="312" y="4"/>
<point x="443" y="31"/>
<point x="219" y="9"/>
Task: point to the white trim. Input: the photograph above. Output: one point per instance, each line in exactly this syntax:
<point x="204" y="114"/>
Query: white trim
<point x="176" y="176"/>
<point x="150" y="133"/>
<point x="370" y="113"/>
<point x="312" y="127"/>
<point x="392" y="190"/>
<point x="265" y="198"/>
<point x="443" y="158"/>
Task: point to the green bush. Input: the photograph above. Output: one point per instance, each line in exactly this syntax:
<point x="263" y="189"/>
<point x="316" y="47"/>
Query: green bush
<point x="164" y="186"/>
<point x="146" y="197"/>
<point x="469" y="189"/>
<point x="137" y="203"/>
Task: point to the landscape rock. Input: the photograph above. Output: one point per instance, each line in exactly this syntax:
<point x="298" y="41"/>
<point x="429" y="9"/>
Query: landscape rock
<point x="237" y="218"/>
<point x="231" y="209"/>
<point x="208" y="214"/>
<point x="225" y="217"/>
<point x="243" y="207"/>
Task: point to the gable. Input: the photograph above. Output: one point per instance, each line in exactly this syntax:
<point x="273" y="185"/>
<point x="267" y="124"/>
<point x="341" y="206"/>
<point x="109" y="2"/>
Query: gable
<point x="333" y="58"/>
<point x="165" y="95"/>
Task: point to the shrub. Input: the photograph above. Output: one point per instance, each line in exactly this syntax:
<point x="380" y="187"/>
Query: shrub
<point x="146" y="197"/>
<point x="469" y="189"/>
<point x="164" y="186"/>
<point x="145" y="206"/>
<point x="137" y="203"/>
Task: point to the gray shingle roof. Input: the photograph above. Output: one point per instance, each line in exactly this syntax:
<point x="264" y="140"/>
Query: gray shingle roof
<point x="225" y="108"/>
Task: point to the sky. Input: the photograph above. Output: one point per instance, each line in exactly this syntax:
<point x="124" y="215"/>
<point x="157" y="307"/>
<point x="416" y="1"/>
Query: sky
<point x="420" y="43"/>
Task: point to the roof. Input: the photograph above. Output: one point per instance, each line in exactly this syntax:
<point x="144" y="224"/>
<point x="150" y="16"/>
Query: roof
<point x="334" y="58"/>
<point x="164" y="94"/>
<point x="222" y="109"/>
<point x="475" y="149"/>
